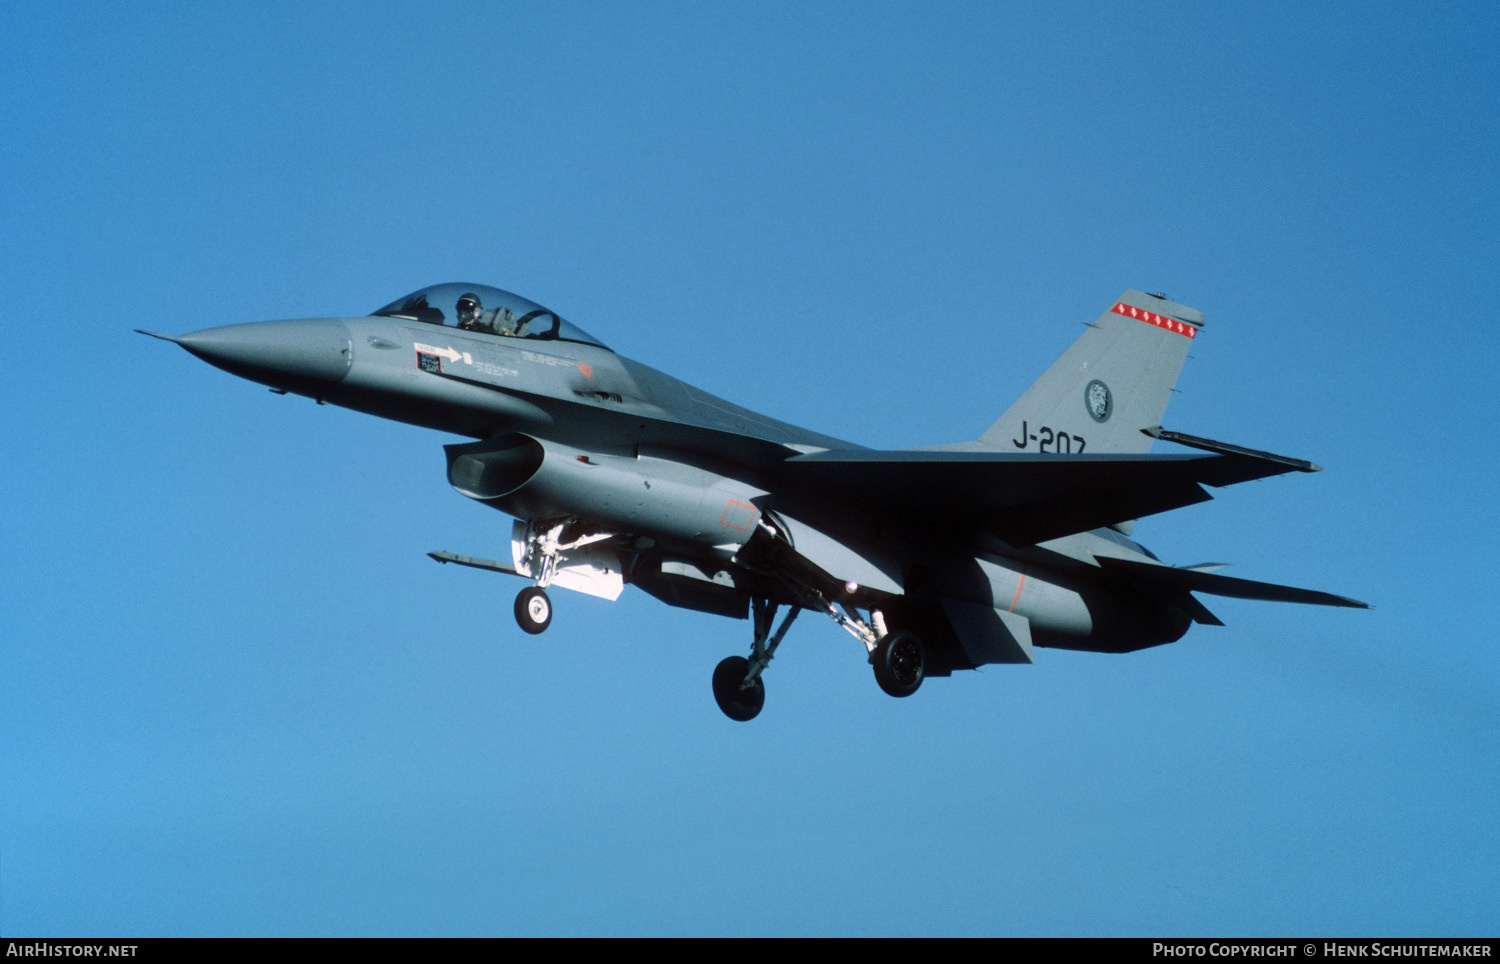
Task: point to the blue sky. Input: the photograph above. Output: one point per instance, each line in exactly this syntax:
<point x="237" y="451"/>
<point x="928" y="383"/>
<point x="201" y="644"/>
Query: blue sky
<point x="237" y="698"/>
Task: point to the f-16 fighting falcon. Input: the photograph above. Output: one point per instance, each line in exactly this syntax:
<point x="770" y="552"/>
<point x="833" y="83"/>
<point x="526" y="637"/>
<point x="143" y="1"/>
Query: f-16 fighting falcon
<point x="938" y="559"/>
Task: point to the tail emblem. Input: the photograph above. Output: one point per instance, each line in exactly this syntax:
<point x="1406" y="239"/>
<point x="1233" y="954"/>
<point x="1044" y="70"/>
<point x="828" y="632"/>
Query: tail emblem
<point x="1097" y="399"/>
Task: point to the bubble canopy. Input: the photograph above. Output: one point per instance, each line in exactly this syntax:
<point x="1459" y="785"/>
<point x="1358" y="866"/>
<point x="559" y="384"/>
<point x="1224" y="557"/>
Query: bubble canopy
<point x="485" y="310"/>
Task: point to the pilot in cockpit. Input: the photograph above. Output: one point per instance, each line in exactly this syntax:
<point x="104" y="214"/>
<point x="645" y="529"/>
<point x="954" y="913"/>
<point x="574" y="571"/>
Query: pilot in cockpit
<point x="469" y="318"/>
<point x="496" y="321"/>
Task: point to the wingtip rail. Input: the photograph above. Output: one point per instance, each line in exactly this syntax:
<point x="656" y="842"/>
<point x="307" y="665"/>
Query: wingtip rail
<point x="1225" y="448"/>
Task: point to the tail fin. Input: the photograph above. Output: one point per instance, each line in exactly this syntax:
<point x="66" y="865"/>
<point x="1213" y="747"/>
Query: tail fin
<point x="1113" y="382"/>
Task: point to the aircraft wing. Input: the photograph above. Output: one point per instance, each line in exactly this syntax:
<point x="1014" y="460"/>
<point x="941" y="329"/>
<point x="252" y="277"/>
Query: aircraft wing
<point x="1023" y="498"/>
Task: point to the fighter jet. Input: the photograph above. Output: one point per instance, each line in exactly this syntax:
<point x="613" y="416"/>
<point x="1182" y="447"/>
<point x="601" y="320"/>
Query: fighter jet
<point x="935" y="560"/>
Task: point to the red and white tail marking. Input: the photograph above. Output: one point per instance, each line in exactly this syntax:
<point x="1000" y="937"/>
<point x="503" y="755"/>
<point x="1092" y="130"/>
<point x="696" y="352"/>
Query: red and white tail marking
<point x="1151" y="318"/>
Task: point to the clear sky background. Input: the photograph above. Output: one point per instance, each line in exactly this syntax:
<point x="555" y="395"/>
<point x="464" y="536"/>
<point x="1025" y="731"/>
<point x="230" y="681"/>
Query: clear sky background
<point x="237" y="698"/>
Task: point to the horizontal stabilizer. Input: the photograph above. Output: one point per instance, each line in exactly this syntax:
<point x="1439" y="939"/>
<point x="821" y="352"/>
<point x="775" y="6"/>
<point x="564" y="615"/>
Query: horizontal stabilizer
<point x="1022" y="498"/>
<point x="1196" y="581"/>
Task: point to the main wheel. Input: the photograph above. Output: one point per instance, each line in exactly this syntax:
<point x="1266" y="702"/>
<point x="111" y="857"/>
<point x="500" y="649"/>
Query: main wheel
<point x="899" y="664"/>
<point x="533" y="610"/>
<point x="738" y="704"/>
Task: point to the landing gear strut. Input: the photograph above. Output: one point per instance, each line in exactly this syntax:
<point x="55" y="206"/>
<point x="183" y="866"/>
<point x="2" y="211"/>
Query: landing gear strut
<point x="897" y="657"/>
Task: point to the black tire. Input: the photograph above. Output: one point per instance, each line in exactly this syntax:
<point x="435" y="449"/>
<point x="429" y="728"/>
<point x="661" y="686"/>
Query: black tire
<point x="533" y="610"/>
<point x="740" y="705"/>
<point x="899" y="663"/>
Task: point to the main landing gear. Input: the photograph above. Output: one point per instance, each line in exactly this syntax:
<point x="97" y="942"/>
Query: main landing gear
<point x="899" y="664"/>
<point x="897" y="657"/>
<point x="738" y="688"/>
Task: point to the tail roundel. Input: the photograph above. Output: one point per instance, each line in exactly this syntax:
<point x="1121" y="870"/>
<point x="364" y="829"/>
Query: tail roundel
<point x="1115" y="381"/>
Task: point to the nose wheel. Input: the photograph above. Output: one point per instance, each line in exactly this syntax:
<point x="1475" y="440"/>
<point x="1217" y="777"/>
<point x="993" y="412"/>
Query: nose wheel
<point x="534" y="610"/>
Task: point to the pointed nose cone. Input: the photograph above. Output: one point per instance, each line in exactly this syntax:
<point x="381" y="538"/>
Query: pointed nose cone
<point x="302" y="356"/>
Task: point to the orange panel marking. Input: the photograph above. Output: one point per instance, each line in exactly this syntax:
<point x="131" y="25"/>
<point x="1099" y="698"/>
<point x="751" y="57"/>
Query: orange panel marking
<point x="739" y="510"/>
<point x="1019" y="586"/>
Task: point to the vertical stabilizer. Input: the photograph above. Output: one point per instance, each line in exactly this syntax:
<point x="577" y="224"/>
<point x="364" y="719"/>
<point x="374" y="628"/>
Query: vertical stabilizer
<point x="1115" y="380"/>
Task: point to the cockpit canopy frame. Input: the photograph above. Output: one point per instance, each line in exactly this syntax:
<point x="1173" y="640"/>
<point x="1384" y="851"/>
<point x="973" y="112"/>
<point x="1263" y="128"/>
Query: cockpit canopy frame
<point x="485" y="310"/>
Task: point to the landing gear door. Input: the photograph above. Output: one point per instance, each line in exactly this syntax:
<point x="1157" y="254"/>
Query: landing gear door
<point x="592" y="569"/>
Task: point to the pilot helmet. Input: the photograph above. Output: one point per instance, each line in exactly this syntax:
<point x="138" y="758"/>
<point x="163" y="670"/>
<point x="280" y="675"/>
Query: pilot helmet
<point x="468" y="308"/>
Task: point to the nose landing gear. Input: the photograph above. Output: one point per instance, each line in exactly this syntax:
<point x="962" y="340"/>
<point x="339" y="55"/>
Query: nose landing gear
<point x="543" y="550"/>
<point x="533" y="610"/>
